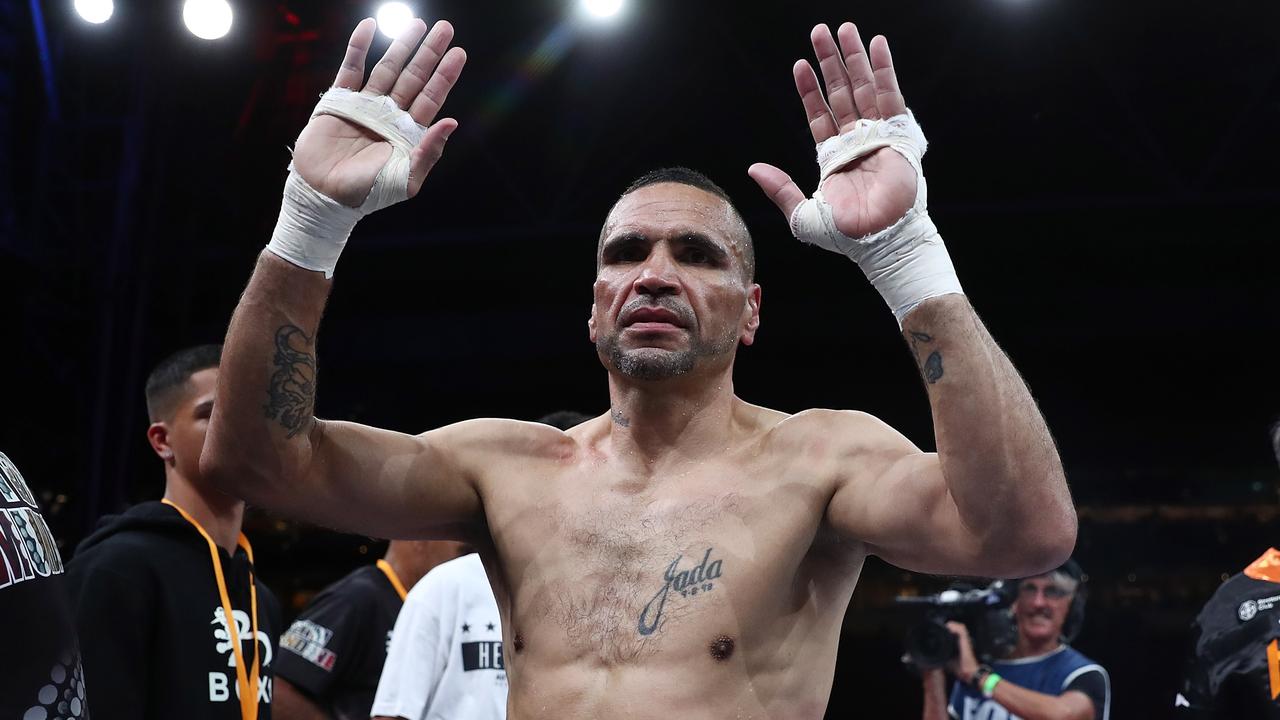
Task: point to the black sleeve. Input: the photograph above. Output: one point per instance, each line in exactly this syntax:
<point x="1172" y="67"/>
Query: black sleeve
<point x="1096" y="685"/>
<point x="275" y="621"/>
<point x="323" y="644"/>
<point x="1195" y="698"/>
<point x="112" y="607"/>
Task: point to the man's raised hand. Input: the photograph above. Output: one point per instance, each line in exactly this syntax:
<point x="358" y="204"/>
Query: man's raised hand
<point x="340" y="158"/>
<point x="871" y="202"/>
<point x="876" y="190"/>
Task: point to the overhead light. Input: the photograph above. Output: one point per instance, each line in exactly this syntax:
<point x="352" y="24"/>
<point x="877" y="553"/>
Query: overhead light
<point x="207" y="19"/>
<point x="94" y="11"/>
<point x="393" y="18"/>
<point x="602" y="8"/>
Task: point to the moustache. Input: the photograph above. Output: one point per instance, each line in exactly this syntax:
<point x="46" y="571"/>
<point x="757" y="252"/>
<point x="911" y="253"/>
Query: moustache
<point x="683" y="312"/>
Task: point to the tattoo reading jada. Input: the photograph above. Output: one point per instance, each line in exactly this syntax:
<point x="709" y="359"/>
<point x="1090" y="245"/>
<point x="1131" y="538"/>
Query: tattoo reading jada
<point x="686" y="582"/>
<point x="292" y="394"/>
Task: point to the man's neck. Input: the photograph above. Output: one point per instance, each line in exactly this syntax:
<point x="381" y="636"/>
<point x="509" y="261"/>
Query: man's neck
<point x="680" y="418"/>
<point x="407" y="571"/>
<point x="1033" y="648"/>
<point x="220" y="515"/>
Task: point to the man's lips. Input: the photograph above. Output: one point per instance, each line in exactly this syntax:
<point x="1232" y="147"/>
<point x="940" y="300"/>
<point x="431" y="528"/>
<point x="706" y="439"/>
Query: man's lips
<point x="647" y="327"/>
<point x="652" y="319"/>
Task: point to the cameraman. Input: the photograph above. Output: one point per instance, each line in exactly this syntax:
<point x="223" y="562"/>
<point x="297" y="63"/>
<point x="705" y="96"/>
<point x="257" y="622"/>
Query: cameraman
<point x="1043" y="679"/>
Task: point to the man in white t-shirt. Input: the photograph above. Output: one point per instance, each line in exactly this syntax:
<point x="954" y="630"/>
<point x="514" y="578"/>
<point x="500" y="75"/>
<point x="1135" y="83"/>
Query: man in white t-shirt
<point x="445" y="660"/>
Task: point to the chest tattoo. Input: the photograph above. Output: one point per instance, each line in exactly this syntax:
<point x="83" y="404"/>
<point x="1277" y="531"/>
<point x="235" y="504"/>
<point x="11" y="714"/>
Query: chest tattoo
<point x="688" y="583"/>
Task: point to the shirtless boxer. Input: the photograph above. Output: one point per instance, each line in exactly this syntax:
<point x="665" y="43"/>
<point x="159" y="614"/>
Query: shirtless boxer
<point x="686" y="552"/>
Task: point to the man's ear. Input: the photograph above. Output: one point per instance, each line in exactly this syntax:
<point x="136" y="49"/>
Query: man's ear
<point x="751" y="312"/>
<point x="591" y="325"/>
<point x="158" y="436"/>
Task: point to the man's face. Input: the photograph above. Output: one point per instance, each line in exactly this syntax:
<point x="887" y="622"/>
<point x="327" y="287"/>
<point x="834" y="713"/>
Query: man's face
<point x="1041" y="608"/>
<point x="182" y="434"/>
<point x="670" y="292"/>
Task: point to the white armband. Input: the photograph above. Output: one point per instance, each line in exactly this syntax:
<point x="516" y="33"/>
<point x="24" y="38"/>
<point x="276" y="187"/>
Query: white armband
<point x="907" y="261"/>
<point x="313" y="228"/>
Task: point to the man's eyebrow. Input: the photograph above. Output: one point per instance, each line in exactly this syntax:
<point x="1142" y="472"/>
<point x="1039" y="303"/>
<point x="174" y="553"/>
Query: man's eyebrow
<point x="704" y="243"/>
<point x="620" y="240"/>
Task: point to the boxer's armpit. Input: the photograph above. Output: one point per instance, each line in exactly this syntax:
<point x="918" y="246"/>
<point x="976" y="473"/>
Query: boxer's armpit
<point x="292" y="390"/>
<point x="931" y="364"/>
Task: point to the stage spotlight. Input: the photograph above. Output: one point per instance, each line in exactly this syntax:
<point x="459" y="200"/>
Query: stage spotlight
<point x="602" y="8"/>
<point x="207" y="19"/>
<point x="393" y="18"/>
<point x="94" y="11"/>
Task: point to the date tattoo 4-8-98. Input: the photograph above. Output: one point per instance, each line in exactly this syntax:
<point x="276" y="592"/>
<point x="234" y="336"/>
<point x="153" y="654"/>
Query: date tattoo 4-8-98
<point x="686" y="582"/>
<point x="291" y="396"/>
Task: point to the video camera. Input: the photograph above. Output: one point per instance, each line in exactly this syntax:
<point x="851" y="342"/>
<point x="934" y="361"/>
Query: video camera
<point x="984" y="611"/>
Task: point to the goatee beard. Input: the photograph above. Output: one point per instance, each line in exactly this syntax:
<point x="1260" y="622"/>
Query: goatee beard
<point x="655" y="364"/>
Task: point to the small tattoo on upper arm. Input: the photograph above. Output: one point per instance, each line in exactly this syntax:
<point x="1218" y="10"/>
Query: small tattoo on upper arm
<point x="698" y="579"/>
<point x="292" y="392"/>
<point x="931" y="365"/>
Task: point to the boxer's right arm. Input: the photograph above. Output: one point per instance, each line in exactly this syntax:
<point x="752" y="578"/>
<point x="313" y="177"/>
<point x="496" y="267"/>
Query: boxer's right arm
<point x="368" y="145"/>
<point x="265" y="445"/>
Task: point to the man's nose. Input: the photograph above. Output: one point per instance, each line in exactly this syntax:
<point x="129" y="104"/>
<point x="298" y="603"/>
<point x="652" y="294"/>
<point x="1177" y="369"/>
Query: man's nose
<point x="657" y="276"/>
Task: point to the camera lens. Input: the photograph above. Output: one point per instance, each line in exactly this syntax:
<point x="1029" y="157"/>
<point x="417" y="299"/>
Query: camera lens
<point x="931" y="644"/>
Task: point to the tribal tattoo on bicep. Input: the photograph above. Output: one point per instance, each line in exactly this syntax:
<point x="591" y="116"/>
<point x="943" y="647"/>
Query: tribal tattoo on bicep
<point x="930" y="366"/>
<point x="292" y="391"/>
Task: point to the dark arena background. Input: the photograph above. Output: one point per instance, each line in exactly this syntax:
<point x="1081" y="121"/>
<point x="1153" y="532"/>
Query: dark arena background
<point x="1105" y="174"/>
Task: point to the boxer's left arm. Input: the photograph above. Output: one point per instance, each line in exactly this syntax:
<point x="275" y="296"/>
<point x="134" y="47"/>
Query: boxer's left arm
<point x="993" y="501"/>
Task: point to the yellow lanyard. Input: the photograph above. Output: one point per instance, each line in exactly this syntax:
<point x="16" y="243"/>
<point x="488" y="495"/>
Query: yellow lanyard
<point x="248" y="686"/>
<point x="385" y="567"/>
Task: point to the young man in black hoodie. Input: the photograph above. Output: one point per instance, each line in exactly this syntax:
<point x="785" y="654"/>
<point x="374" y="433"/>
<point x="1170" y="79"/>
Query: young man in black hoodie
<point x="153" y="589"/>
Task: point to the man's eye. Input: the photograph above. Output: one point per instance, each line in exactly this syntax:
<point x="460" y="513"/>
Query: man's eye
<point x="698" y="257"/>
<point x="631" y="254"/>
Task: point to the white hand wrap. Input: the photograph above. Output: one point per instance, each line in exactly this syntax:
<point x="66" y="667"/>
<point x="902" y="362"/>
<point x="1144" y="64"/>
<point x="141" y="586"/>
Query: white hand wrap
<point x="907" y="261"/>
<point x="312" y="228"/>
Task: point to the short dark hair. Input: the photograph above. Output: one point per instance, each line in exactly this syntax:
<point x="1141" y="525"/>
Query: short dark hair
<point x="564" y="419"/>
<point x="693" y="178"/>
<point x="166" y="381"/>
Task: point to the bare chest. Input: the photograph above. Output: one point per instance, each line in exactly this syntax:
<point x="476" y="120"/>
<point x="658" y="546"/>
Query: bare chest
<point x="610" y="571"/>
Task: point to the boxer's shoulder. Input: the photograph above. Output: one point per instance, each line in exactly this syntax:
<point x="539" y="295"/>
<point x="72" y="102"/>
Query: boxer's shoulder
<point x="819" y="431"/>
<point x="492" y="440"/>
